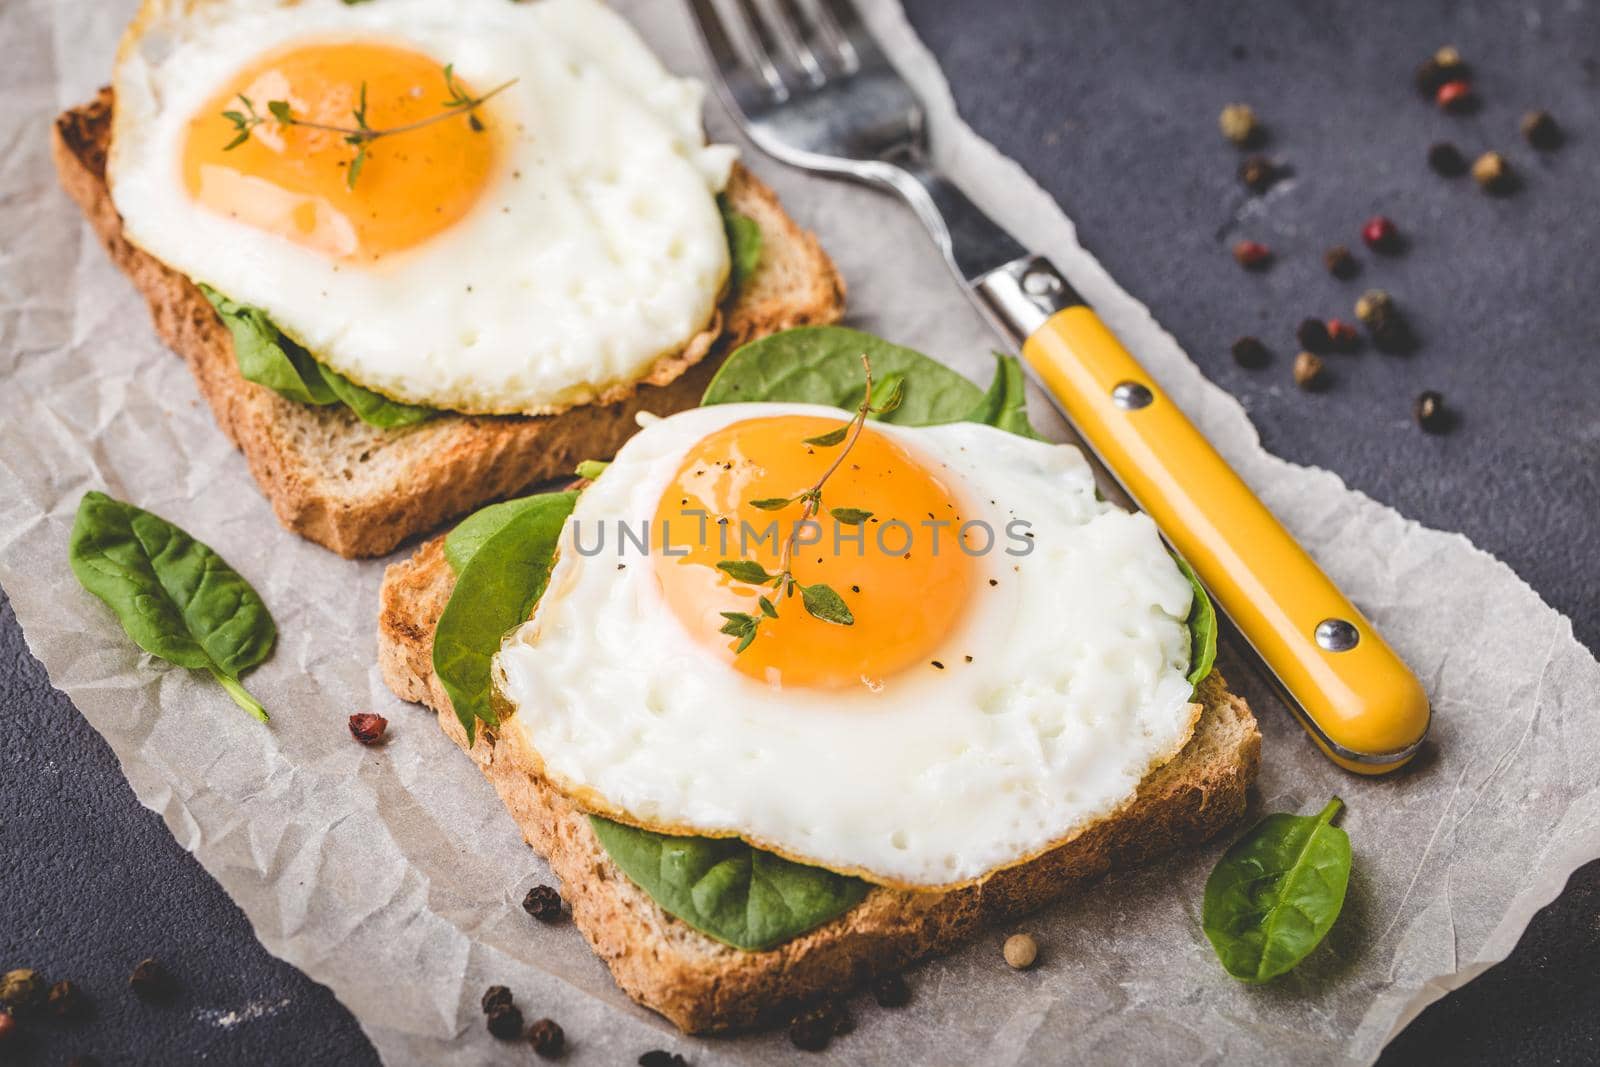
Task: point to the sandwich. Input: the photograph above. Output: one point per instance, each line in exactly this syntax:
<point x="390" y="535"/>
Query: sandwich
<point x="821" y="677"/>
<point x="422" y="256"/>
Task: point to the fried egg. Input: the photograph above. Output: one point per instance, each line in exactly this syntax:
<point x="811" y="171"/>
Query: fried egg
<point x="1014" y="666"/>
<point x="539" y="250"/>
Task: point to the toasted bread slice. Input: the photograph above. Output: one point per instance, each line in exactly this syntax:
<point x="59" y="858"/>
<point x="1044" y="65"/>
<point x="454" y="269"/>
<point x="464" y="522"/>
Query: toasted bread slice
<point x="361" y="491"/>
<point x="704" y="986"/>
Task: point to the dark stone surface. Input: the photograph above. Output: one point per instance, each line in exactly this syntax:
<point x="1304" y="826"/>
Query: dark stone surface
<point x="1112" y="105"/>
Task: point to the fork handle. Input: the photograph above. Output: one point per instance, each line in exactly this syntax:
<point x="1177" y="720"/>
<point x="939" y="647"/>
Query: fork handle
<point x="1355" y="696"/>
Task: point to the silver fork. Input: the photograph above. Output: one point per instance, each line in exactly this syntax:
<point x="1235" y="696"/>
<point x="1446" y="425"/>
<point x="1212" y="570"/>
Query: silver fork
<point x="811" y="87"/>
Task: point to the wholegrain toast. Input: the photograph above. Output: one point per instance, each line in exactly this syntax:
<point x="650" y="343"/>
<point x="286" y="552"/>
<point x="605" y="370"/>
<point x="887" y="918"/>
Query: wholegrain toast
<point x="704" y="986"/>
<point x="361" y="491"/>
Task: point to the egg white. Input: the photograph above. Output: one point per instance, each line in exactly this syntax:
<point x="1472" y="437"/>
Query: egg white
<point x="1075" y="689"/>
<point x="597" y="251"/>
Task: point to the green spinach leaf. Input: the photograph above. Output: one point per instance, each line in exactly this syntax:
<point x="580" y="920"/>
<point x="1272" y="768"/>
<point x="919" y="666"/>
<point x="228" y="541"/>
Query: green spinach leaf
<point x="722" y="887"/>
<point x="373" y="408"/>
<point x="463" y="542"/>
<point x="1005" y="405"/>
<point x="495" y="591"/>
<point x="173" y="595"/>
<point x="744" y="243"/>
<point x="1202" y="626"/>
<point x="822" y="365"/>
<point x="1275" y="894"/>
<point x="267" y="357"/>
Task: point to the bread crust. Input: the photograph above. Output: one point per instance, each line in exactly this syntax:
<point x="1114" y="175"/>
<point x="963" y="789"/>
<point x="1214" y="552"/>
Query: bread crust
<point x="361" y="491"/>
<point x="704" y="986"/>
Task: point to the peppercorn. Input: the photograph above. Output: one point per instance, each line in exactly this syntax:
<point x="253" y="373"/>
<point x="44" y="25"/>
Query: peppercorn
<point x="814" y="1027"/>
<point x="657" y="1057"/>
<point x="1457" y="97"/>
<point x="1313" y="335"/>
<point x="1446" y="159"/>
<point x="151" y="982"/>
<point x="505" y="1022"/>
<point x="1391" y="333"/>
<point x="21" y="990"/>
<point x="1258" y="173"/>
<point x="1342" y="336"/>
<point x="1340" y="263"/>
<point x="1020" y="951"/>
<point x="1439" y="68"/>
<point x="543" y="903"/>
<point x="367" y="727"/>
<point x="1250" y="353"/>
<point x="1252" y="255"/>
<point x="66" y="1001"/>
<point x="1429" y="412"/>
<point x="1539" y="128"/>
<point x="1238" y="124"/>
<point x="495" y="998"/>
<point x="1373" y="304"/>
<point x="1308" y="371"/>
<point x="891" y="991"/>
<point x="1494" y="174"/>
<point x="547" y="1038"/>
<point x="1382" y="235"/>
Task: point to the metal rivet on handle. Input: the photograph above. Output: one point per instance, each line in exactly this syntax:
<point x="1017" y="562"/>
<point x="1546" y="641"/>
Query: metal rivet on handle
<point x="1041" y="283"/>
<point x="1336" y="635"/>
<point x="1130" y="396"/>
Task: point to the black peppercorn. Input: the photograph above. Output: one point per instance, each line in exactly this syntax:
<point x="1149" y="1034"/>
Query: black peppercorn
<point x="1312" y="334"/>
<point x="1258" y="173"/>
<point x="1391" y="333"/>
<point x="495" y="998"/>
<point x="1250" y="353"/>
<point x="814" y="1027"/>
<point x="152" y="982"/>
<point x="1446" y="159"/>
<point x="543" y="903"/>
<point x="505" y="1022"/>
<point x="1340" y="263"/>
<point x="891" y="991"/>
<point x="661" y="1058"/>
<point x="547" y="1038"/>
<point x="1540" y="130"/>
<point x="1429" y="412"/>
<point x="66" y="1001"/>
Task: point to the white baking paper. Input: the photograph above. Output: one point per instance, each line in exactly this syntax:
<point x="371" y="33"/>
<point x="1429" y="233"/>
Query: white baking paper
<point x="393" y="875"/>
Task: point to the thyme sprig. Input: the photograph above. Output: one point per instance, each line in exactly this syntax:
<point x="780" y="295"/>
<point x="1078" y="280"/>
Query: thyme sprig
<point x="362" y="134"/>
<point x="820" y="600"/>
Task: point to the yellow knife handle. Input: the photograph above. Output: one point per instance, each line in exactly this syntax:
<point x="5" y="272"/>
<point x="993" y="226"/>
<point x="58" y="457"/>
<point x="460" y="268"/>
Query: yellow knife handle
<point x="1365" y="708"/>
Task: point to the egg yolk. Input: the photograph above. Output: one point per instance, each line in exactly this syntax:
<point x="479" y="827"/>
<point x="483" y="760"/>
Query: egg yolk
<point x="903" y="574"/>
<point x="294" y="181"/>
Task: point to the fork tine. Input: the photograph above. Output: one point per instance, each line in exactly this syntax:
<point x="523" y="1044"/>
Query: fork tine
<point x="747" y="93"/>
<point x="763" y="48"/>
<point x="859" y="46"/>
<point x="799" y="34"/>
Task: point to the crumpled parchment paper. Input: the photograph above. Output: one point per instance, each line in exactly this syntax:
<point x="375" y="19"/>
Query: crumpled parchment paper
<point x="394" y="876"/>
